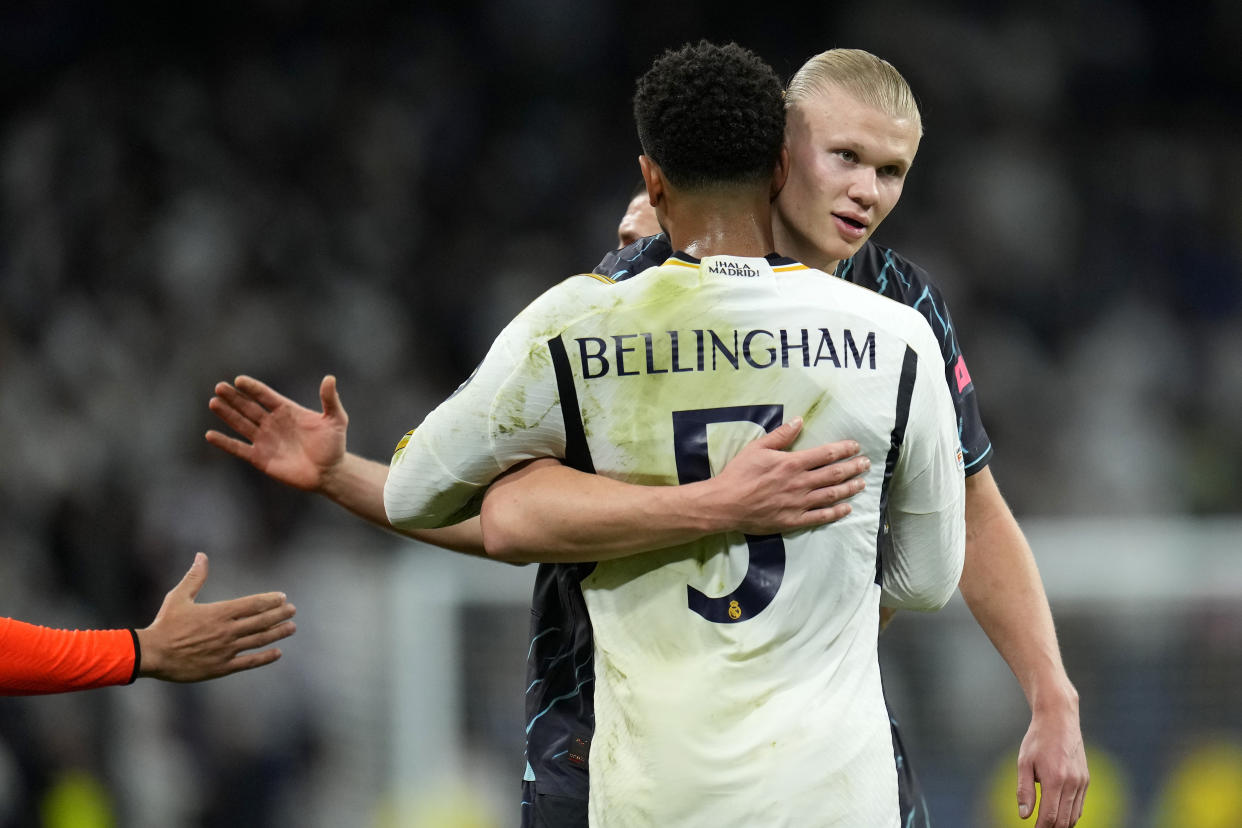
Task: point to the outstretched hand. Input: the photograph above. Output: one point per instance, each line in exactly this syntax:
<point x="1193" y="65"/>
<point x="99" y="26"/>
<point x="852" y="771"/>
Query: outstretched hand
<point x="771" y="490"/>
<point x="194" y="642"/>
<point x="284" y="440"/>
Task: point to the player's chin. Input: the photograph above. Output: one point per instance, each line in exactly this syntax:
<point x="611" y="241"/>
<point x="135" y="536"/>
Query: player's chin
<point x="856" y="246"/>
<point x="839" y="249"/>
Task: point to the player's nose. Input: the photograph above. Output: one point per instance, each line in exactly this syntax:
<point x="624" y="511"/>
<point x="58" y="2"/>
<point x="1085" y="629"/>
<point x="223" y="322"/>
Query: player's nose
<point x="864" y="188"/>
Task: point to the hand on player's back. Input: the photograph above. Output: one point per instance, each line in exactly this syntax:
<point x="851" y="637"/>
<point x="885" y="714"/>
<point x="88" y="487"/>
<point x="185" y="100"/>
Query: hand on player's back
<point x="284" y="440"/>
<point x="771" y="490"/>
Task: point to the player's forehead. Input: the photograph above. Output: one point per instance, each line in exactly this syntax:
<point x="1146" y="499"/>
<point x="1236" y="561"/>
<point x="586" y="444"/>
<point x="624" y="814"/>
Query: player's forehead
<point x="832" y="117"/>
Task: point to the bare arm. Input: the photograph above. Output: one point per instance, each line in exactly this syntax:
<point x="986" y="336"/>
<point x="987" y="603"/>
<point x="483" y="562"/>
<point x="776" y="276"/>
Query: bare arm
<point x="545" y="512"/>
<point x="305" y="449"/>
<point x="195" y="642"/>
<point x="539" y="511"/>
<point x="1001" y="585"/>
<point x="357" y="484"/>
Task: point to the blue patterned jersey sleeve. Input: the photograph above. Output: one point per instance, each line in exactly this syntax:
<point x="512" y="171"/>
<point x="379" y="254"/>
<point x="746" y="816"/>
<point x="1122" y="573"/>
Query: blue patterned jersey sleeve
<point x="635" y="257"/>
<point x="888" y="273"/>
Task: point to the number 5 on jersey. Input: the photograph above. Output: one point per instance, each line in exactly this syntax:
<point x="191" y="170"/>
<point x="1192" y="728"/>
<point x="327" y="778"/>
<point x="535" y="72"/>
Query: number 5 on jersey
<point x="766" y="567"/>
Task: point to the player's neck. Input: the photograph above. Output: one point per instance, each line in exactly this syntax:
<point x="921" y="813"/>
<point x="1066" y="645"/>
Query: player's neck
<point x="706" y="226"/>
<point x="801" y="249"/>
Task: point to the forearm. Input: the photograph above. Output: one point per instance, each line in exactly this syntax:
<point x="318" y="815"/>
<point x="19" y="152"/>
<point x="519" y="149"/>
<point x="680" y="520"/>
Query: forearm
<point x="38" y="660"/>
<point x="1002" y="587"/>
<point x="547" y="512"/>
<point x="357" y="484"/>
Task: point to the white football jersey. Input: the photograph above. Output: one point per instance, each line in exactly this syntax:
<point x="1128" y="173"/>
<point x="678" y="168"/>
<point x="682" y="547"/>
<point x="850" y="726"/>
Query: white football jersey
<point x="736" y="678"/>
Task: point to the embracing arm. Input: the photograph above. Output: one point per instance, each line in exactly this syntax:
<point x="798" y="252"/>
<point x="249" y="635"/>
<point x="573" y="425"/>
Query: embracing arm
<point x="543" y="511"/>
<point x="544" y="508"/>
<point x="1001" y="585"/>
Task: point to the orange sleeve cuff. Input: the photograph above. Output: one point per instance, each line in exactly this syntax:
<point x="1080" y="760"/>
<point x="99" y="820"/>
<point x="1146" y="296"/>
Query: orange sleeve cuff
<point x="36" y="660"/>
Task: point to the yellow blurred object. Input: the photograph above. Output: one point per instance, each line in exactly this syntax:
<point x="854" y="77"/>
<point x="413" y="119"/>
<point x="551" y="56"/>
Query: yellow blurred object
<point x="1106" y="806"/>
<point x="1203" y="789"/>
<point x="449" y="807"/>
<point x="77" y="800"/>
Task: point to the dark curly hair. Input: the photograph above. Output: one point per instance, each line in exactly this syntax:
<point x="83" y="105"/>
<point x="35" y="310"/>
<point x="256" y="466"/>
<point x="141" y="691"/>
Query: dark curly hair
<point x="711" y="114"/>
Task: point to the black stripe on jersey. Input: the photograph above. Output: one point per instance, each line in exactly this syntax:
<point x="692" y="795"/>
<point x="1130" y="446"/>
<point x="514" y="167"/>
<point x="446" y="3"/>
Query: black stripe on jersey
<point x="577" y="452"/>
<point x="560" y="694"/>
<point x="905" y="391"/>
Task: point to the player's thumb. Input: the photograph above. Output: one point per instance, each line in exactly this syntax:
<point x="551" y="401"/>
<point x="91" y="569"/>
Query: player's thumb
<point x="782" y="436"/>
<point x="329" y="397"/>
<point x="193" y="580"/>
<point x="1026" y="790"/>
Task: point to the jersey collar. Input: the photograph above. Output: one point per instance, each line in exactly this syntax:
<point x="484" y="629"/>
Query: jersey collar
<point x="774" y="261"/>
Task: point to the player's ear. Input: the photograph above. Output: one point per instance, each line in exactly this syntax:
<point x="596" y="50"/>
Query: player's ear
<point x="781" y="173"/>
<point x="653" y="177"/>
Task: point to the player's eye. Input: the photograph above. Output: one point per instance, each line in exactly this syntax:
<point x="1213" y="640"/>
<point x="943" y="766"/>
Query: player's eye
<point x="848" y="156"/>
<point x="891" y="170"/>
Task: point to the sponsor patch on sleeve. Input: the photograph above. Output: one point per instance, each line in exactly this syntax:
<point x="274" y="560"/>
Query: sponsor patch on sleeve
<point x="961" y="374"/>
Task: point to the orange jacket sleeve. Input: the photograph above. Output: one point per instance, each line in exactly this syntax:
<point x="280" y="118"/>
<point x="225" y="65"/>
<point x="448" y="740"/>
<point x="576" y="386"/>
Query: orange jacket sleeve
<point x="35" y="660"/>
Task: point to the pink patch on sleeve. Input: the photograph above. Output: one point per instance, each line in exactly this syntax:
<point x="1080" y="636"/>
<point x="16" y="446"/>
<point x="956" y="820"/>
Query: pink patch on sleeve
<point x="963" y="376"/>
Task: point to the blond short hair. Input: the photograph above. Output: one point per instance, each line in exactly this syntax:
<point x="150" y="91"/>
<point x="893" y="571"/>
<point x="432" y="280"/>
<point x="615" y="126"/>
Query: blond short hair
<point x="871" y="79"/>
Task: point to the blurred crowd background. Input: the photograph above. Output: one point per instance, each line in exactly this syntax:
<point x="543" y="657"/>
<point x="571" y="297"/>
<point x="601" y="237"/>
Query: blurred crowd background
<point x="288" y="188"/>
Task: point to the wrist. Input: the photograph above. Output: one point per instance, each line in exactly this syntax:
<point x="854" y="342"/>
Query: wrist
<point x="1055" y="696"/>
<point x="137" y="671"/>
<point x="145" y="652"/>
<point x="328" y="483"/>
<point x="334" y="478"/>
<point x="703" y="509"/>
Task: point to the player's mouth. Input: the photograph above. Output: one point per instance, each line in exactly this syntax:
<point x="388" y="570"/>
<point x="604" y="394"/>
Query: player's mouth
<point x="851" y="227"/>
